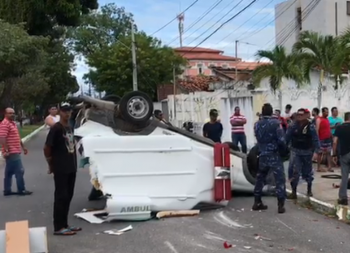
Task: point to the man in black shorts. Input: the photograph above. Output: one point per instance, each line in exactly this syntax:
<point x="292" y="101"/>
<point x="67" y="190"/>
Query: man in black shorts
<point x="60" y="154"/>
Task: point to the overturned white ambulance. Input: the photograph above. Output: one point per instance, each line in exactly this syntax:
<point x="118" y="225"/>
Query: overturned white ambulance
<point x="143" y="165"/>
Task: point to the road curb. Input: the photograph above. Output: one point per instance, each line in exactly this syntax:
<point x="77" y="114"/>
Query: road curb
<point x="29" y="136"/>
<point x="320" y="205"/>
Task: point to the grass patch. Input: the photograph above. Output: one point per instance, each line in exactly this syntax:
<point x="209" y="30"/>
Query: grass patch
<point x="27" y="129"/>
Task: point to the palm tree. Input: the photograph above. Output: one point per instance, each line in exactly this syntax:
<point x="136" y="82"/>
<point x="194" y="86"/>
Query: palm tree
<point x="282" y="66"/>
<point x="326" y="54"/>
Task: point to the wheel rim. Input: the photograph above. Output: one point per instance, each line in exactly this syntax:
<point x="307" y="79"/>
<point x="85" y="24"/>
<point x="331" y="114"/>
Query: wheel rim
<point x="138" y="107"/>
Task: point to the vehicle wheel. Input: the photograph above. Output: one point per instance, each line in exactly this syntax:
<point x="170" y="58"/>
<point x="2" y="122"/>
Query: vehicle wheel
<point x="232" y="146"/>
<point x="253" y="161"/>
<point x="112" y="98"/>
<point x="136" y="107"/>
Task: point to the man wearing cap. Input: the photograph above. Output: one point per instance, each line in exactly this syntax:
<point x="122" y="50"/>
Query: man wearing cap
<point x="304" y="146"/>
<point x="213" y="129"/>
<point x="59" y="151"/>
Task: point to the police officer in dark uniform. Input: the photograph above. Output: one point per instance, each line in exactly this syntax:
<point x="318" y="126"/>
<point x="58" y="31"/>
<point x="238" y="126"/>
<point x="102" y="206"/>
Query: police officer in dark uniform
<point x="271" y="143"/>
<point x="304" y="144"/>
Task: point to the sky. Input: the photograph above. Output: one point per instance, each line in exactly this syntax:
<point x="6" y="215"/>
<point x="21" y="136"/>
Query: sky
<point x="254" y="28"/>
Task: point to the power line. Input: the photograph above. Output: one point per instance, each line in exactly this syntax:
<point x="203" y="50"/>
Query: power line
<point x="211" y="8"/>
<point x="256" y="31"/>
<point x="175" y="18"/>
<point x="227" y="21"/>
<point x="246" y="22"/>
<point x="316" y="2"/>
<point x="234" y="7"/>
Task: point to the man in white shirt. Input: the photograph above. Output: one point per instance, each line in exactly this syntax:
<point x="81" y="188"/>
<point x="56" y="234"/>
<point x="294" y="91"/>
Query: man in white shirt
<point x="53" y="117"/>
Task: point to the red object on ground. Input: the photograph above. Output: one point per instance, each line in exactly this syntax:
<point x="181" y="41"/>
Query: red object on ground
<point x="227" y="245"/>
<point x="222" y="180"/>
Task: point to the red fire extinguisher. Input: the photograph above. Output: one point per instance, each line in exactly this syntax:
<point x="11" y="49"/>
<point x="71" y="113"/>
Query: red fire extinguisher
<point x="222" y="178"/>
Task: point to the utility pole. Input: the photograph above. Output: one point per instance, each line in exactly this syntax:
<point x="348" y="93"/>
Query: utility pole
<point x="236" y="56"/>
<point x="174" y="86"/>
<point x="133" y="51"/>
<point x="181" y="18"/>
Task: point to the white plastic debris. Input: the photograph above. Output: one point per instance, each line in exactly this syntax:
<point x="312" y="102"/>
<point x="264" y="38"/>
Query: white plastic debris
<point x="118" y="232"/>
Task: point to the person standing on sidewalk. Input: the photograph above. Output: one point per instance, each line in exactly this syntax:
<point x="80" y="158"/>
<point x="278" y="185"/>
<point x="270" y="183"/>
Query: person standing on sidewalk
<point x="304" y="147"/>
<point x="59" y="151"/>
<point x="323" y="129"/>
<point x="238" y="121"/>
<point x="53" y="117"/>
<point x="213" y="129"/>
<point x="271" y="143"/>
<point x="12" y="147"/>
<point x="342" y="137"/>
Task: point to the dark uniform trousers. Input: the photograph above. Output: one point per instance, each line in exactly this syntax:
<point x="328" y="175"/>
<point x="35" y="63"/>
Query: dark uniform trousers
<point x="274" y="163"/>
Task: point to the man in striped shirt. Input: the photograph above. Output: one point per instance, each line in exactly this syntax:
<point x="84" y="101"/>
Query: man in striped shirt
<point x="11" y="150"/>
<point x="238" y="135"/>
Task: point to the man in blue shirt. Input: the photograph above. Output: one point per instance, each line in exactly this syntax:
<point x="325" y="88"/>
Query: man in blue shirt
<point x="213" y="129"/>
<point x="271" y="143"/>
<point x="334" y="120"/>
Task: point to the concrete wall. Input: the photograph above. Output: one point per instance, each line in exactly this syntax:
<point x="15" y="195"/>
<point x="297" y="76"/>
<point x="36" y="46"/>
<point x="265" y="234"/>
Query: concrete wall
<point x="321" y="19"/>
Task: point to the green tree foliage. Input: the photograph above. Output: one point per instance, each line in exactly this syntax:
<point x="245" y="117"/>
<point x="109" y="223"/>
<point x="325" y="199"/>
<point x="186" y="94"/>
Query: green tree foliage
<point x="326" y="54"/>
<point x="104" y="39"/>
<point x="21" y="57"/>
<point x="282" y="66"/>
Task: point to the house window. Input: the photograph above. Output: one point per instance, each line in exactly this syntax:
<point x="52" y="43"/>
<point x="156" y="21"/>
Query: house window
<point x="224" y="66"/>
<point x="200" y="68"/>
<point x="348" y="8"/>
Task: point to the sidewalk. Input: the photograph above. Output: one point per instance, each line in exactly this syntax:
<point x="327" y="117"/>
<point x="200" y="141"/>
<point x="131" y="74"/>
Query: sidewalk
<point x="325" y="195"/>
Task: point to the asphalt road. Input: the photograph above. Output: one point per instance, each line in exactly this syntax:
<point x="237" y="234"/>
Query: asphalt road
<point x="298" y="230"/>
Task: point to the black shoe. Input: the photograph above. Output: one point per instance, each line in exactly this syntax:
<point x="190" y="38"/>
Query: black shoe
<point x="25" y="193"/>
<point x="343" y="202"/>
<point x="292" y="195"/>
<point x="10" y="193"/>
<point x="281" y="208"/>
<point x="309" y="191"/>
<point x="258" y="205"/>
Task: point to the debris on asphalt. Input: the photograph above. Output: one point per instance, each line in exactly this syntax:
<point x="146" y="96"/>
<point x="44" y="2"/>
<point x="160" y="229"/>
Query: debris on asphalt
<point x="221" y="218"/>
<point x="91" y="217"/>
<point x="228" y="245"/>
<point x="167" y="214"/>
<point x="343" y="213"/>
<point x="261" y="238"/>
<point x="118" y="232"/>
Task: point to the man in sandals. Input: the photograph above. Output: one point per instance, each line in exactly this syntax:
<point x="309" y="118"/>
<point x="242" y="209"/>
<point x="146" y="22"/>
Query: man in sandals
<point x="60" y="154"/>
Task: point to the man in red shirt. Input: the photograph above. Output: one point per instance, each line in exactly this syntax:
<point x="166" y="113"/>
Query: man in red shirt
<point x="11" y="150"/>
<point x="323" y="129"/>
<point x="238" y="121"/>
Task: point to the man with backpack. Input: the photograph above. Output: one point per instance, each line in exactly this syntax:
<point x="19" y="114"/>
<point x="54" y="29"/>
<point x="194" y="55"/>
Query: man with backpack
<point x="305" y="146"/>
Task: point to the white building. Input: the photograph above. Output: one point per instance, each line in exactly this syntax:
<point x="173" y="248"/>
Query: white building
<point x="328" y="17"/>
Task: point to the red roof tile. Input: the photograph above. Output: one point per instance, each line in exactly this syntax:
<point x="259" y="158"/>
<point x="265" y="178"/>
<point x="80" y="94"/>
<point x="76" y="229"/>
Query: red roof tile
<point x="197" y="83"/>
<point x="199" y="53"/>
<point x="197" y="50"/>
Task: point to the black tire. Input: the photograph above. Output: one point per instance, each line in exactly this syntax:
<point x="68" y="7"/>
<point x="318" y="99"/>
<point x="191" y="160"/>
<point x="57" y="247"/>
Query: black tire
<point x="112" y="98"/>
<point x="136" y="107"/>
<point x="253" y="161"/>
<point x="232" y="146"/>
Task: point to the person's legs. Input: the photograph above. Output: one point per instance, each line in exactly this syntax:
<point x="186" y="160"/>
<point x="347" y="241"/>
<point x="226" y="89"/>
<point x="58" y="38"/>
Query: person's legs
<point x="235" y="139"/>
<point x="243" y="142"/>
<point x="345" y="170"/>
<point x="280" y="179"/>
<point x="291" y="166"/>
<point x="307" y="172"/>
<point x="19" y="174"/>
<point x="294" y="179"/>
<point x="260" y="182"/>
<point x="9" y="172"/>
<point x="60" y="216"/>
